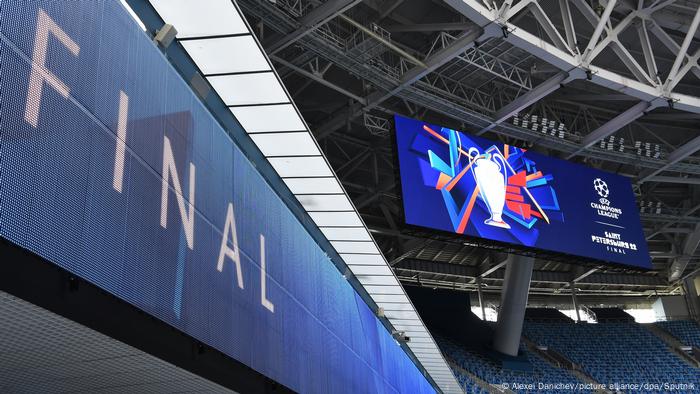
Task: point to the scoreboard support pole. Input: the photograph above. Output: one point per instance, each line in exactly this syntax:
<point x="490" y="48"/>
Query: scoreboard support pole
<point x="692" y="296"/>
<point x="574" y="298"/>
<point x="511" y="315"/>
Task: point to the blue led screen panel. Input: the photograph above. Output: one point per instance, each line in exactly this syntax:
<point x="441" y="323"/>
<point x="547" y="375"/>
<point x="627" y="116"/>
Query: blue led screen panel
<point x="456" y="182"/>
<point x="111" y="168"/>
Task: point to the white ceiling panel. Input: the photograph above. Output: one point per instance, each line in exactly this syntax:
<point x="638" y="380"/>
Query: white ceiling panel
<point x="418" y="334"/>
<point x="377" y="280"/>
<point x="201" y="17"/>
<point x="314" y="186"/>
<point x="404" y="327"/>
<point x="422" y="346"/>
<point x="396" y="314"/>
<point x="391" y="298"/>
<point x="423" y="340"/>
<point x="345" y="234"/>
<point x="371" y="270"/>
<point x="349" y="219"/>
<point x="395" y="306"/>
<point x="388" y="290"/>
<point x="268" y="118"/>
<point x="355" y="247"/>
<point x="363" y="259"/>
<point x="286" y="144"/>
<point x="300" y="166"/>
<point x="226" y="55"/>
<point x="325" y="202"/>
<point x="247" y="89"/>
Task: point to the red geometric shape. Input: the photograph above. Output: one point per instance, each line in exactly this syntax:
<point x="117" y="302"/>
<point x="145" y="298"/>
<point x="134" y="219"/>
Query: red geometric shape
<point x="518" y="179"/>
<point x="512" y="189"/>
<point x="514" y="197"/>
<point x="522" y="209"/>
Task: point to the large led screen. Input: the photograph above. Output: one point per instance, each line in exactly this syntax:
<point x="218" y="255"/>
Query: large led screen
<point x="111" y="168"/>
<point x="469" y="185"/>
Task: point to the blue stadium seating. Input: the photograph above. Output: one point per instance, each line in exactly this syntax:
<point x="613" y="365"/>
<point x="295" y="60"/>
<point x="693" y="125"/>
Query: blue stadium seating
<point x="688" y="332"/>
<point x="491" y="372"/>
<point x="615" y="352"/>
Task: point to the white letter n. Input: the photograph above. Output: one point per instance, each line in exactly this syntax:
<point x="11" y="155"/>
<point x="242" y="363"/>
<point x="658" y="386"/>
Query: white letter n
<point x="39" y="74"/>
<point x="170" y="171"/>
<point x="225" y="251"/>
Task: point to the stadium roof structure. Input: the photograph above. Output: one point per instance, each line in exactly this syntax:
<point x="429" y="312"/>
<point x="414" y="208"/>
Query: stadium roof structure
<point x="613" y="84"/>
<point x="230" y="58"/>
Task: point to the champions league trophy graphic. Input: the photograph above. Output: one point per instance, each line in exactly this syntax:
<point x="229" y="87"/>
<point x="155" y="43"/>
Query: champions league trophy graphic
<point x="490" y="176"/>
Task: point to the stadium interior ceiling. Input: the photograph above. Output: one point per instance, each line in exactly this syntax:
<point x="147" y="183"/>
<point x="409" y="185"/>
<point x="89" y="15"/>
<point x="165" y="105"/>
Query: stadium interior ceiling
<point x="629" y="104"/>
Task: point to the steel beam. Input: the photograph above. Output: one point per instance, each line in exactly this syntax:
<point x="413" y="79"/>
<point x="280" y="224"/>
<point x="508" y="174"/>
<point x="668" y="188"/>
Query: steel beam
<point x="686" y="214"/>
<point x="316" y="17"/>
<point x="441" y="57"/>
<point x="527" y="99"/>
<point x="642" y="91"/>
<point x="430" y="27"/>
<point x="610" y="127"/>
<point x="674" y="157"/>
<point x="318" y="79"/>
<point x="493" y="269"/>
<point x="558" y="277"/>
<point x="674" y="179"/>
<point x="691" y="243"/>
<point x="673" y="74"/>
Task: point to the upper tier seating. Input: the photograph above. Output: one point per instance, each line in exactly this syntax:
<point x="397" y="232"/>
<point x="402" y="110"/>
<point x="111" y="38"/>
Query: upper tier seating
<point x="491" y="372"/>
<point x="614" y="352"/>
<point x="688" y="332"/>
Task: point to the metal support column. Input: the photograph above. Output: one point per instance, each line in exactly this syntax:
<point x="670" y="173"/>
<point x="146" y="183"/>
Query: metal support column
<point x="511" y="315"/>
<point x="481" y="299"/>
<point x="692" y="298"/>
<point x="575" y="300"/>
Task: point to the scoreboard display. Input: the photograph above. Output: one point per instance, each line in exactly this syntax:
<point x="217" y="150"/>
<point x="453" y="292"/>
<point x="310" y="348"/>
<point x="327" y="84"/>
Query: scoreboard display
<point x="111" y="168"/>
<point x="464" y="184"/>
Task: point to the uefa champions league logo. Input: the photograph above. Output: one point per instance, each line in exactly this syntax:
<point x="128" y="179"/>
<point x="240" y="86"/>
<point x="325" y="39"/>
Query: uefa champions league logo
<point x="601" y="187"/>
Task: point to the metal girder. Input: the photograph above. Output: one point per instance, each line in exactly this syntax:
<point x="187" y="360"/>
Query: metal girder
<point x="668" y="42"/>
<point x="691" y="243"/>
<point x="673" y="74"/>
<point x="602" y="22"/>
<point x="436" y="267"/>
<point x="493" y="269"/>
<point x="613" y="125"/>
<point x="585" y="275"/>
<point x="527" y="99"/>
<point x="674" y="157"/>
<point x="429" y="27"/>
<point x="674" y="179"/>
<point x="465" y="109"/>
<point x="687" y="213"/>
<point x="316" y="17"/>
<point x="469" y="272"/>
<point x="408" y="78"/>
<point x="647" y="91"/>
<point x="318" y="79"/>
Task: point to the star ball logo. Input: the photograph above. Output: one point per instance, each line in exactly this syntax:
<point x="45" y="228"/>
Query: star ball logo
<point x="601" y="187"/>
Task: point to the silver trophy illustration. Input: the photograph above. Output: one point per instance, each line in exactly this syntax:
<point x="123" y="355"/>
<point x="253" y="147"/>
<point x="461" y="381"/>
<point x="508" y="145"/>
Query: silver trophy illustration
<point x="490" y="176"/>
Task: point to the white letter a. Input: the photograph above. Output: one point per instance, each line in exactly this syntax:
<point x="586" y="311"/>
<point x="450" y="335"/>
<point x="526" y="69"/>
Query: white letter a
<point x="225" y="251"/>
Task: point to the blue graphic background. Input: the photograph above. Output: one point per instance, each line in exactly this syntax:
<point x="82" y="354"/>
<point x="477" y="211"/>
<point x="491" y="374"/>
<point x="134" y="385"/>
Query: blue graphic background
<point x="567" y="202"/>
<point x="57" y="200"/>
